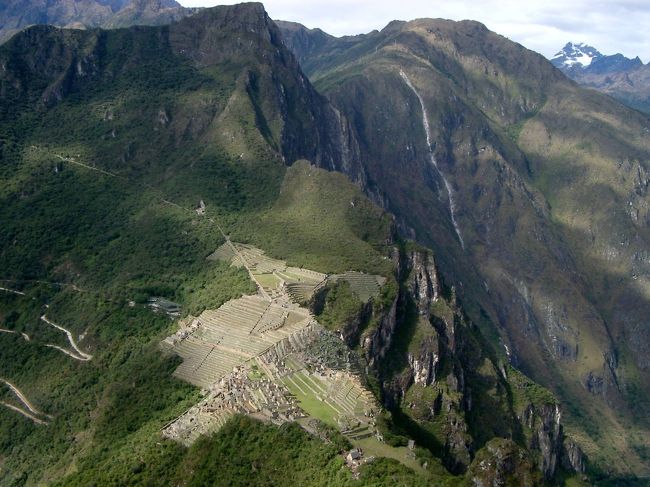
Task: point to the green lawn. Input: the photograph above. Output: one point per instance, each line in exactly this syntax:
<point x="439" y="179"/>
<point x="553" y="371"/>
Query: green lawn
<point x="311" y="404"/>
<point x="269" y="281"/>
<point x="373" y="447"/>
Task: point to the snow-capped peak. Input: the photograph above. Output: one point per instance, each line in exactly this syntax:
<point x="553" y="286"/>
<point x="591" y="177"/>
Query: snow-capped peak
<point x="576" y="54"/>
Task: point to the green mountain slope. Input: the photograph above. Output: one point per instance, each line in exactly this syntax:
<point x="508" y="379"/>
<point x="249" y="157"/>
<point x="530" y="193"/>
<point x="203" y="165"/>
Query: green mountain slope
<point x="128" y="157"/>
<point x="109" y="142"/>
<point x="547" y="183"/>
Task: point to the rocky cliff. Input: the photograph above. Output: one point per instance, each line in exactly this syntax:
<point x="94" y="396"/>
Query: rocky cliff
<point x="481" y="149"/>
<point x="446" y="387"/>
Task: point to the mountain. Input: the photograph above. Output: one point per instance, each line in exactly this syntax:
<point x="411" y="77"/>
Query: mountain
<point x="531" y="190"/>
<point x="408" y="266"/>
<point x="623" y="78"/>
<point x="16" y="15"/>
<point x="578" y="55"/>
<point x="302" y="41"/>
<point x="581" y="58"/>
<point x="129" y="159"/>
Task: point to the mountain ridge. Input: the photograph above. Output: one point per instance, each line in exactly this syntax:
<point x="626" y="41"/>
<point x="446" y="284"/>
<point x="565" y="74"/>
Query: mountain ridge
<point x="16" y="15"/>
<point x="477" y="70"/>
<point x="616" y="75"/>
<point x="177" y="138"/>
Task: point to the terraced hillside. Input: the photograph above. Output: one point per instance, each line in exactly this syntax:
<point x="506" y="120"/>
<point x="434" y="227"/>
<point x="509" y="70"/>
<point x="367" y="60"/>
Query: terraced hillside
<point x="237" y="332"/>
<point x="265" y="330"/>
<point x="363" y="285"/>
<point x="274" y="277"/>
<point x="127" y="158"/>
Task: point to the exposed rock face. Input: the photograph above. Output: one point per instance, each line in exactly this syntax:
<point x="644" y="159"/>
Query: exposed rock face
<point x="573" y="459"/>
<point x="544" y="421"/>
<point x="502" y="463"/>
<point x="424" y="289"/>
<point x="377" y="343"/>
<point x="423" y="364"/>
<point x="423" y="282"/>
<point x="547" y="440"/>
<point x="549" y="184"/>
<point x="448" y="372"/>
<point x="418" y="269"/>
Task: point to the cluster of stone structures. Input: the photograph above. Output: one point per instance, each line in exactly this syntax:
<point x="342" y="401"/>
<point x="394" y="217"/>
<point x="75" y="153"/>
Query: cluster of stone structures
<point x="166" y="306"/>
<point x="263" y="355"/>
<point x="245" y="391"/>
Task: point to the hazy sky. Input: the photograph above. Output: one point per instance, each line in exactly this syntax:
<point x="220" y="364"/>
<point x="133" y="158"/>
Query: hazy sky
<point x="542" y="25"/>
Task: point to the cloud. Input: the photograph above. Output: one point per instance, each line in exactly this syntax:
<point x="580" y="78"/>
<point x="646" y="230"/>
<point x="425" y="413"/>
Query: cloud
<point x="542" y="25"/>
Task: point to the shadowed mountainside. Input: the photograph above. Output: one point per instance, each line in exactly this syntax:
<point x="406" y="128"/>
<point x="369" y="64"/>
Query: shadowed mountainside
<point x="550" y="183"/>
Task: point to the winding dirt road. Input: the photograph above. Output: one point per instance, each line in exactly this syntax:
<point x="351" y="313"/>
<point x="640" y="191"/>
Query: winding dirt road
<point x="24" y="335"/>
<point x="83" y="356"/>
<point x="23" y="412"/>
<point x="12" y="291"/>
<point x="67" y="352"/>
<point x="33" y="412"/>
<point x="22" y="398"/>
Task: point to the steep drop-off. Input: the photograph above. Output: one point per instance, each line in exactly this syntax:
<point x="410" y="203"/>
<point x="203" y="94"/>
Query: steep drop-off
<point x="550" y="190"/>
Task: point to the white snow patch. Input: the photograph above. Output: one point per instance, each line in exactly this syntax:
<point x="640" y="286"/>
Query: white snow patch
<point x="582" y="58"/>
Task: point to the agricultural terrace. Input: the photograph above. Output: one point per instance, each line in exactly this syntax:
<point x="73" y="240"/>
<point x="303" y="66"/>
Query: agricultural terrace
<point x="219" y="340"/>
<point x="365" y="286"/>
<point x="255" y="355"/>
<point x="275" y="278"/>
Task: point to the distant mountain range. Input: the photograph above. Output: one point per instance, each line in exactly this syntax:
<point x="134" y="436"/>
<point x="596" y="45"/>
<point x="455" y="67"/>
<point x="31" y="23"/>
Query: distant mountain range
<point x="626" y="79"/>
<point x="16" y="15"/>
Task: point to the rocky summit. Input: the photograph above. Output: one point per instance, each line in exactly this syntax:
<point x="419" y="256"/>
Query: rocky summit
<point x="623" y="78"/>
<point x="239" y="251"/>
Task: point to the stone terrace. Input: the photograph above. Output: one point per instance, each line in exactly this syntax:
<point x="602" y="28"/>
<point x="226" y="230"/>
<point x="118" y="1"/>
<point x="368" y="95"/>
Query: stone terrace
<point x="222" y="339"/>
